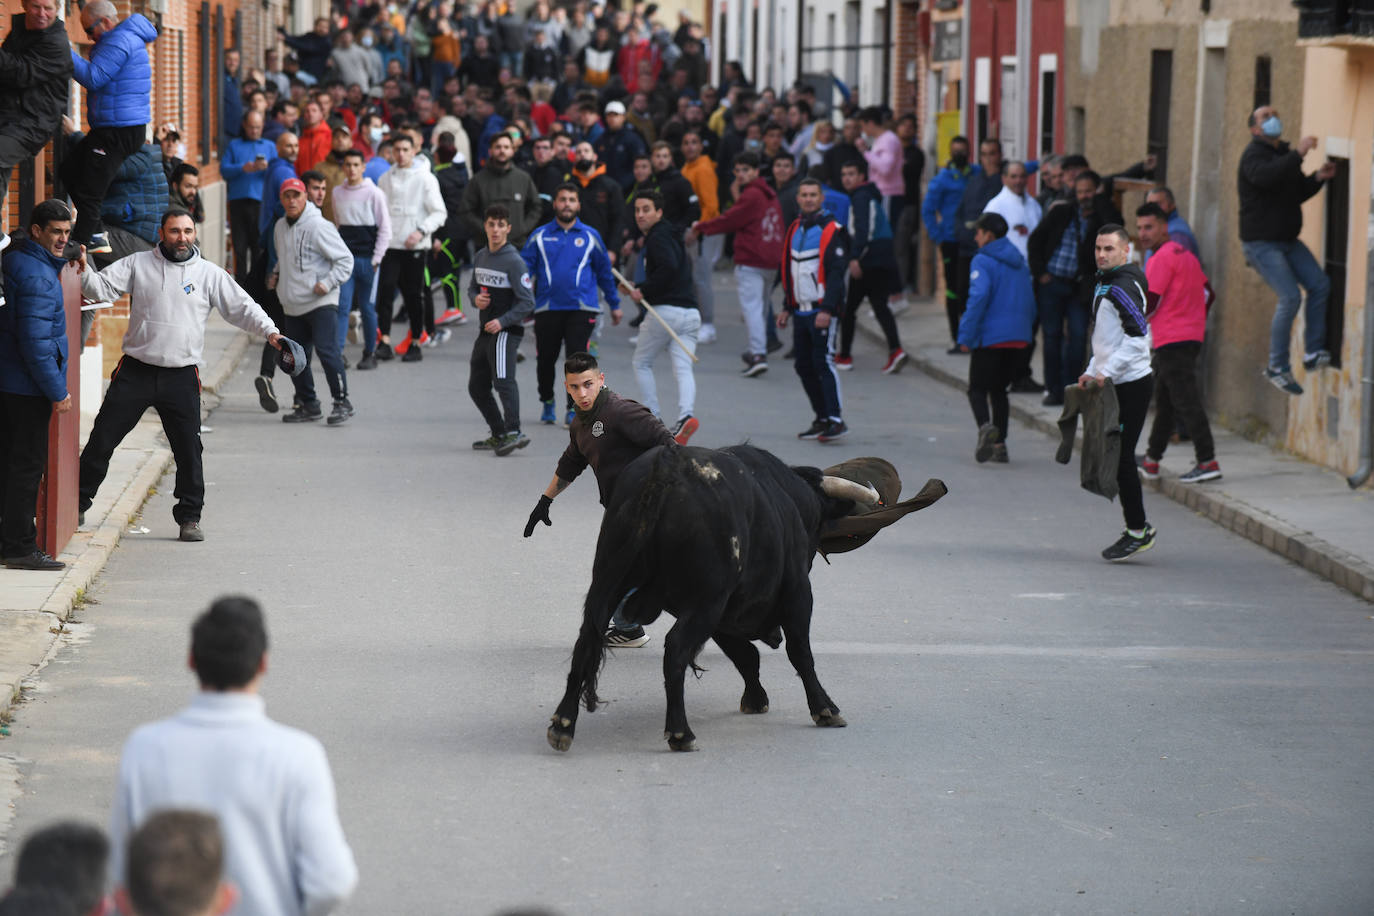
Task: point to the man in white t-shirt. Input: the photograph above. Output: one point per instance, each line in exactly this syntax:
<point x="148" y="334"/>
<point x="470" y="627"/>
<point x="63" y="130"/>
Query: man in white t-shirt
<point x="1013" y="204"/>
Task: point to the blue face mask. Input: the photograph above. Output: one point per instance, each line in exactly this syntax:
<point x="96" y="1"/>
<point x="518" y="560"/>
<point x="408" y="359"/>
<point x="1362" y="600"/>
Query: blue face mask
<point x="1272" y="126"/>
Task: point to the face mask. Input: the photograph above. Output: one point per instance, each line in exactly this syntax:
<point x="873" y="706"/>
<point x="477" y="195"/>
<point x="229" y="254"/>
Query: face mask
<point x="753" y="144"/>
<point x="1272" y="126"/>
<point x="367" y="41"/>
<point x="585" y="165"/>
<point x="181" y="150"/>
<point x="959" y="160"/>
<point x="376" y="134"/>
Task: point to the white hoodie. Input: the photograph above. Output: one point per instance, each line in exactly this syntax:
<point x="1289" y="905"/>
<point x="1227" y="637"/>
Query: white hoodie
<point x="169" y="303"/>
<point x="309" y="251"/>
<point x="1020" y="212"/>
<point x="415" y="202"/>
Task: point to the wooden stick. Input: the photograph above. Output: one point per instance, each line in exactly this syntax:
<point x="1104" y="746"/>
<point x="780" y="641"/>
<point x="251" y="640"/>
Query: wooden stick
<point x="652" y="311"/>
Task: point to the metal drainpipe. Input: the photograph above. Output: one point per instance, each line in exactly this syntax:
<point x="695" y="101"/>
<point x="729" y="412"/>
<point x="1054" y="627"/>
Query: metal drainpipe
<point x="1367" y="375"/>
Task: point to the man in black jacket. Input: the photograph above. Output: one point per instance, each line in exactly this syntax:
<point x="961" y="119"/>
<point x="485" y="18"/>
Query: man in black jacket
<point x="35" y="74"/>
<point x="602" y="198"/>
<point x="668" y="287"/>
<point x="607" y="433"/>
<point x="1272" y="189"/>
<point x="312" y="48"/>
<point x="680" y="205"/>
<point x="548" y="172"/>
<point x="1063" y="263"/>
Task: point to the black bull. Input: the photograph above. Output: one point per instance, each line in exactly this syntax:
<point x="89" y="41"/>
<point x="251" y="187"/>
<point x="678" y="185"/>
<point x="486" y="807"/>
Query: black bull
<point x="724" y="541"/>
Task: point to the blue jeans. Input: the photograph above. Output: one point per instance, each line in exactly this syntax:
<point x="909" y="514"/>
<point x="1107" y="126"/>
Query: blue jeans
<point x="1285" y="266"/>
<point x="360" y="291"/>
<point x="317" y="330"/>
<point x="1061" y="306"/>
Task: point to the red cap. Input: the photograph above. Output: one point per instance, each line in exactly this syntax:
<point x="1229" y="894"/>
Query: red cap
<point x="292" y="184"/>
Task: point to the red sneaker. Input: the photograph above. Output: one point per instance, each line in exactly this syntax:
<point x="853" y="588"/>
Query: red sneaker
<point x="894" y="361"/>
<point x="844" y="363"/>
<point x="684" y="429"/>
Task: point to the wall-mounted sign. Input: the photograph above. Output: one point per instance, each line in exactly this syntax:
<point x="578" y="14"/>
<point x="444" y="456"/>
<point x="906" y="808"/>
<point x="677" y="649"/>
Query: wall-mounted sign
<point x="949" y="40"/>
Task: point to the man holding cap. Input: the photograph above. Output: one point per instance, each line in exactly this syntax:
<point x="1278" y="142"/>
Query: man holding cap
<point x="312" y="263"/>
<point x="171" y="291"/>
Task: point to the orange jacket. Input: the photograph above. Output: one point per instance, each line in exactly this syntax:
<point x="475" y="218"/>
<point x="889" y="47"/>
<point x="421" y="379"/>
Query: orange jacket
<point x="702" y="174"/>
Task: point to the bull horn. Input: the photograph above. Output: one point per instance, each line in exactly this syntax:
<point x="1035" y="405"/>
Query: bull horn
<point x="840" y="488"/>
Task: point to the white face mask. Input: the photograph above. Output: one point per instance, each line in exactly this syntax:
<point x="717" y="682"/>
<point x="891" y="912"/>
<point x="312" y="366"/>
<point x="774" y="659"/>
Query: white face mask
<point x="367" y="41"/>
<point x="181" y="150"/>
<point x="376" y="134"/>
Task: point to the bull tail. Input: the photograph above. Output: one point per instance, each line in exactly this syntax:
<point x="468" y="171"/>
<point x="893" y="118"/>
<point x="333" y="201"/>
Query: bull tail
<point x="624" y="545"/>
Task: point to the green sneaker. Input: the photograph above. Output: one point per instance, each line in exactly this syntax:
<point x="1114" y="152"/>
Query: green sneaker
<point x="510" y="442"/>
<point x="488" y="444"/>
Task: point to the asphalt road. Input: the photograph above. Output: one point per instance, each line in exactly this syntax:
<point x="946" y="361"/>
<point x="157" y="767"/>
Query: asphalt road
<point x="1031" y="729"/>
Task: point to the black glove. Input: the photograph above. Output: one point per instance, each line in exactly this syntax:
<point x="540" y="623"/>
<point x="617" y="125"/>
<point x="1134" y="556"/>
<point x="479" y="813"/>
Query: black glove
<point x="540" y="514"/>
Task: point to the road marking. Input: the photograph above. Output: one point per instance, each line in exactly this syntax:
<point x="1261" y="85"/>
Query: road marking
<point x="1133" y="653"/>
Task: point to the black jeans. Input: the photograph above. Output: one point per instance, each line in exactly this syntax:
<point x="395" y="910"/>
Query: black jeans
<point x="318" y="330"/>
<point x="243" y="232"/>
<point x="956" y="289"/>
<point x="876" y="286"/>
<point x="1177" y="398"/>
<point x="493" y="366"/>
<point x="88" y="170"/>
<point x="404" y="270"/>
<point x="568" y="331"/>
<point x="990" y="371"/>
<point x="23" y="459"/>
<point x="175" y="395"/>
<point x="1133" y="403"/>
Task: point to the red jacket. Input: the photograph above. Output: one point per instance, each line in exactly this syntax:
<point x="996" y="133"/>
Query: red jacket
<point x="316" y="143"/>
<point x="1176" y="277"/>
<point x="756" y="220"/>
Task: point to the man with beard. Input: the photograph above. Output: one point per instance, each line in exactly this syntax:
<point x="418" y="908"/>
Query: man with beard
<point x="602" y="197"/>
<point x="619" y="144"/>
<point x="681" y="207"/>
<point x="568" y="261"/>
<point x="172" y="290"/>
<point x="499" y="182"/>
<point x="1060" y="253"/>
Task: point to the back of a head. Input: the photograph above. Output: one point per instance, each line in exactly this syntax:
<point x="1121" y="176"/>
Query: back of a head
<point x="175" y="864"/>
<point x="228" y="642"/>
<point x="68" y="858"/>
<point x="38" y="901"/>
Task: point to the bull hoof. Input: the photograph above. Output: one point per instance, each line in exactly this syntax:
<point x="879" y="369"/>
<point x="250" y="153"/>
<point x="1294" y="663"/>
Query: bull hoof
<point x="828" y="718"/>
<point x="755" y="706"/>
<point x="560" y="734"/>
<point x="680" y="742"/>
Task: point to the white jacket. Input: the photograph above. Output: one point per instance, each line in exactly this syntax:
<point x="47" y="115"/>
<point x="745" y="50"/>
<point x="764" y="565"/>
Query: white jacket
<point x="415" y="202"/>
<point x="309" y="251"/>
<point x="1023" y="211"/>
<point x="169" y="303"/>
<point x="269" y="785"/>
<point x="1119" y="355"/>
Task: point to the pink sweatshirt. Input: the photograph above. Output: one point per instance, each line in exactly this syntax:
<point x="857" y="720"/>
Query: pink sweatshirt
<point x="884" y="157"/>
<point x="1176" y="277"/>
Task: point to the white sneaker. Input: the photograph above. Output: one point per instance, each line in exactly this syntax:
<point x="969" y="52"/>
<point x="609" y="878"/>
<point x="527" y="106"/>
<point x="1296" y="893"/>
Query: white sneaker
<point x="707" y="334"/>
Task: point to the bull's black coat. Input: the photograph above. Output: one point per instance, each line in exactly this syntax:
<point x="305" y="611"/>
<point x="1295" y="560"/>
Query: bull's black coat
<point x="724" y="541"/>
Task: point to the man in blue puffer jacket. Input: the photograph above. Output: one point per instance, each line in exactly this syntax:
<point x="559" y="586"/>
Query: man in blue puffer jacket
<point x="120" y="83"/>
<point x="33" y="378"/>
<point x="996" y="329"/>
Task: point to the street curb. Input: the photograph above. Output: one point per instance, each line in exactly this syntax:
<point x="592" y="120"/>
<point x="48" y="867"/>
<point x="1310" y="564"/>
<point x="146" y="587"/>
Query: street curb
<point x="1301" y="547"/>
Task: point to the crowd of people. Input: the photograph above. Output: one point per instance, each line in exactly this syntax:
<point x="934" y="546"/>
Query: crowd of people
<point x="537" y="168"/>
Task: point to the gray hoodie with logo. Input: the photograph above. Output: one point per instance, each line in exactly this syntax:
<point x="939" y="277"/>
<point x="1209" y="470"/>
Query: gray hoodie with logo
<point x="310" y="251"/>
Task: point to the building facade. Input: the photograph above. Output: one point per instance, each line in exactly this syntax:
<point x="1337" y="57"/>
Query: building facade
<point x="1190" y="82"/>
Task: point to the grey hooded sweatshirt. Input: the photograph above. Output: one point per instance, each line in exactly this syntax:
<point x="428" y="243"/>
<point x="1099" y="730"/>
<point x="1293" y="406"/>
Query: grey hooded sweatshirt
<point x="310" y="251"/>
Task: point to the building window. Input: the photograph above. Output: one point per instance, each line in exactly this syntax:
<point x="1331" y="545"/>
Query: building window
<point x="1263" y="69"/>
<point x="1337" y="247"/>
<point x="1048" y="111"/>
<point x="1161" y="86"/>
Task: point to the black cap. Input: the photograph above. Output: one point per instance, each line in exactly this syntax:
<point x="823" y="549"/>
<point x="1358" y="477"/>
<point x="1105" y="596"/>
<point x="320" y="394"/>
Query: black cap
<point x="291" y="357"/>
<point x="991" y="222"/>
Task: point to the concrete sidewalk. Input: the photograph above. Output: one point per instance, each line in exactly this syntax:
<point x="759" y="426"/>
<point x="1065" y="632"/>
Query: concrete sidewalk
<point x="34" y="605"/>
<point x="1297" y="509"/>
